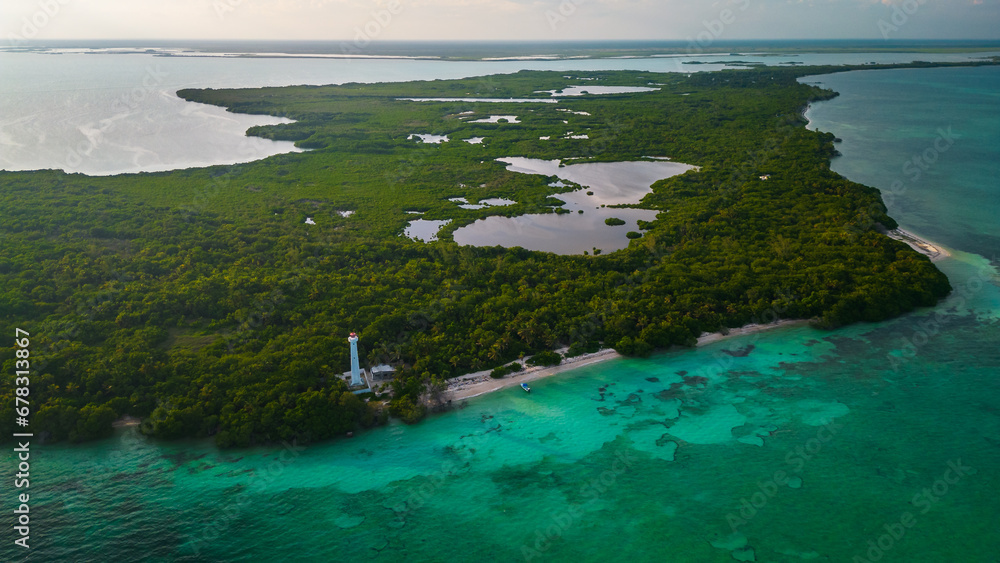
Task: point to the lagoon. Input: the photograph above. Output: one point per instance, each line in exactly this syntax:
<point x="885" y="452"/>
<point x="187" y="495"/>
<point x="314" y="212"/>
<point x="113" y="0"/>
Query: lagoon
<point x="497" y="119"/>
<point x="583" y="229"/>
<point x="599" y="90"/>
<point x="425" y="230"/>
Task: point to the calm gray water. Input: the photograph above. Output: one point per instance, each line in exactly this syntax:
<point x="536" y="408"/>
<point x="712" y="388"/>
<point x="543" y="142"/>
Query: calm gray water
<point x="112" y="113"/>
<point x="582" y="229"/>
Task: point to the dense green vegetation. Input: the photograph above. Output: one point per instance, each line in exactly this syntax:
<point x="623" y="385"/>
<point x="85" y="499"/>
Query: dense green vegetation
<point x="545" y="358"/>
<point x="201" y="301"/>
<point x="502" y="371"/>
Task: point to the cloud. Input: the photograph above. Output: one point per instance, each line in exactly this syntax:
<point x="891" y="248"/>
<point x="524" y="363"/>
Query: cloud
<point x="502" y="19"/>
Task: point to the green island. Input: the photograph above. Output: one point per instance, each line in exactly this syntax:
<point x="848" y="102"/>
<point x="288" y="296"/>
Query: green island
<point x="474" y="51"/>
<point x="202" y="301"/>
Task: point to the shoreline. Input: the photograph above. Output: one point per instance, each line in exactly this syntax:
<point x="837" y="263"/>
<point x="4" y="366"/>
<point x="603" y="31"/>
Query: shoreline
<point x="929" y="249"/>
<point x="480" y="383"/>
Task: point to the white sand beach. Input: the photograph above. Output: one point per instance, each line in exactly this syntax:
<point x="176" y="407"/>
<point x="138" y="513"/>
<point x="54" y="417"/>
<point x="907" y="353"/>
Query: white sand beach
<point x="934" y="251"/>
<point x="480" y="383"/>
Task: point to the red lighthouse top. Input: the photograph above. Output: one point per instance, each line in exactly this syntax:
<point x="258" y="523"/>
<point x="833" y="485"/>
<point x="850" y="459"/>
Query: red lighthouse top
<point x="353" y="335"/>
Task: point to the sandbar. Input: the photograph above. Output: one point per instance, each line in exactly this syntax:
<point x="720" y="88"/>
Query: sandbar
<point x="934" y="251"/>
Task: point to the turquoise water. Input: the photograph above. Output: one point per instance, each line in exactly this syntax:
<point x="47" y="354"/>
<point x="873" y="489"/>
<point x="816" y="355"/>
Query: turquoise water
<point x="790" y="445"/>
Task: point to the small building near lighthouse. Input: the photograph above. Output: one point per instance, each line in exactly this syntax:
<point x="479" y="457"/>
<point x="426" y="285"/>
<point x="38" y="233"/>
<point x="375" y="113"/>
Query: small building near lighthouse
<point x="382" y="372"/>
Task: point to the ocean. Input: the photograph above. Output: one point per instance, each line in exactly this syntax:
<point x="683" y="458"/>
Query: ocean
<point x="874" y="442"/>
<point x="98" y="112"/>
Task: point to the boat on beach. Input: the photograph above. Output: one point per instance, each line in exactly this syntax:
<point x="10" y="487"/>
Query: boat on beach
<point x="526" y="388"/>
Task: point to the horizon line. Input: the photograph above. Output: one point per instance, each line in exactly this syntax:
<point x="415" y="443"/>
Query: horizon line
<point x="874" y="39"/>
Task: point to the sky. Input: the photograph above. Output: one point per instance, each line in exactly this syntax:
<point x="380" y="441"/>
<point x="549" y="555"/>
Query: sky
<point x="358" y="20"/>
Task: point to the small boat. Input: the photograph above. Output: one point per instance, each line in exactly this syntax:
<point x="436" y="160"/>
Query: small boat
<point x="526" y="388"/>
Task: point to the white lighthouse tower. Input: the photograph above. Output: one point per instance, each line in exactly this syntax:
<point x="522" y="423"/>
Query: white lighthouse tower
<point x="355" y="367"/>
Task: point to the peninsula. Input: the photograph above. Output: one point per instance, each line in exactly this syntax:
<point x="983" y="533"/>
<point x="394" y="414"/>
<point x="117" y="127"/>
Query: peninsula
<point x="215" y="301"/>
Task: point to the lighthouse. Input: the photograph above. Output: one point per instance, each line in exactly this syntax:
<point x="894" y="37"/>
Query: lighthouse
<point x="355" y="367"/>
